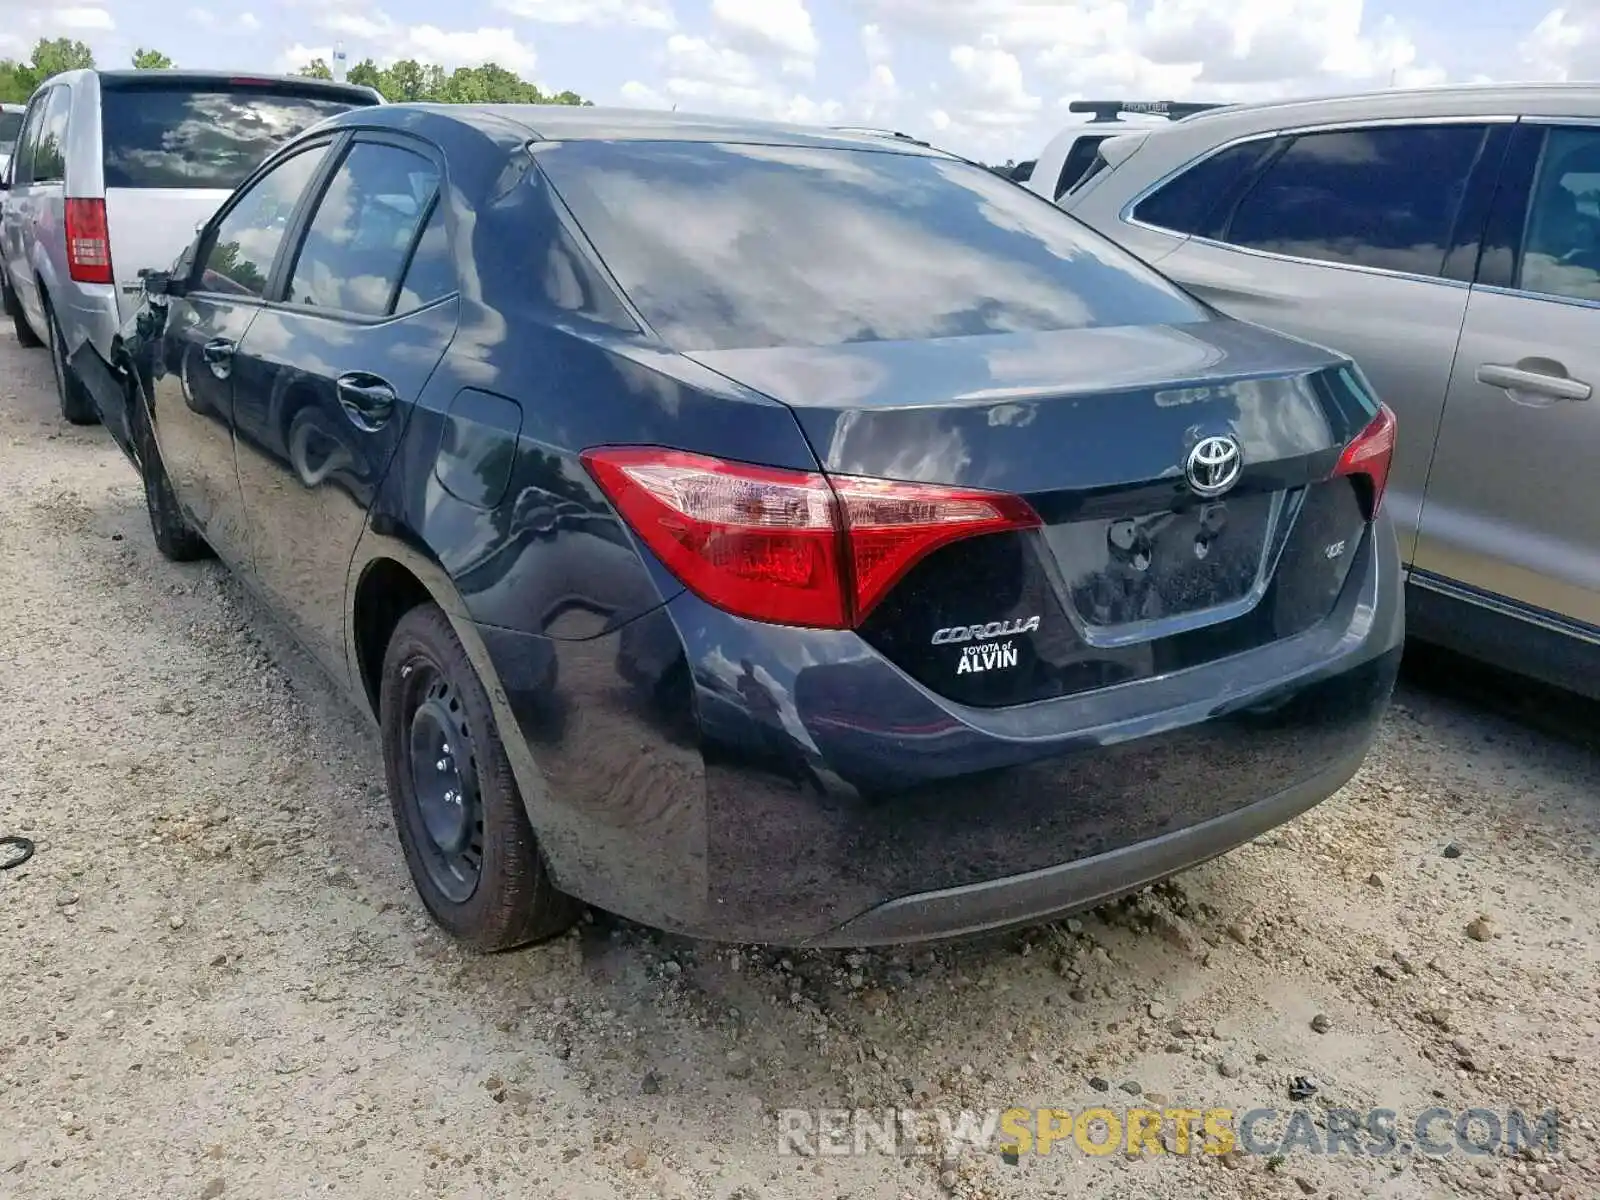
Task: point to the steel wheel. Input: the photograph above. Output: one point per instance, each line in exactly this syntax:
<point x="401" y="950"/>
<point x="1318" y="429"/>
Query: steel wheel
<point x="446" y="802"/>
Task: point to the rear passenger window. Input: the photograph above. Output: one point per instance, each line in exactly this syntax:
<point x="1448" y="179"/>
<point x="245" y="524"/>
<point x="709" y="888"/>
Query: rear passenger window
<point x="1561" y="248"/>
<point x="239" y="261"/>
<point x="50" y="157"/>
<point x="1380" y="197"/>
<point x="22" y="156"/>
<point x="431" y="275"/>
<point x="355" y="252"/>
<point x="1196" y="201"/>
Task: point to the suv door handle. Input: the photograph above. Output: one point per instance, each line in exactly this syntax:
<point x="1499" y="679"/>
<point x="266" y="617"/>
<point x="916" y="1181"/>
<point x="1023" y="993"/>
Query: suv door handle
<point x="366" y="399"/>
<point x="1540" y="381"/>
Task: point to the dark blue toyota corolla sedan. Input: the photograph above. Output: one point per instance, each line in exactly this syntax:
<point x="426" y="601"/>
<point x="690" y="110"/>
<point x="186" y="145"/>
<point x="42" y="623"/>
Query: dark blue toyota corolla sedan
<point x="764" y="532"/>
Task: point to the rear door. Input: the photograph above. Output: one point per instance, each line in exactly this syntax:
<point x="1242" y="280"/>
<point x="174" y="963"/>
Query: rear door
<point x="194" y="380"/>
<point x="1362" y="239"/>
<point x="1513" y="507"/>
<point x="176" y="147"/>
<point x="327" y="374"/>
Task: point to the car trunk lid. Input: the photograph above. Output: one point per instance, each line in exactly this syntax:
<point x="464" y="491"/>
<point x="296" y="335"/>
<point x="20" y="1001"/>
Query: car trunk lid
<point x="1134" y="570"/>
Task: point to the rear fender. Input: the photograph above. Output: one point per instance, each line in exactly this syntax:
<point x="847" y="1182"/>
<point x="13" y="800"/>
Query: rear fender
<point x="385" y="540"/>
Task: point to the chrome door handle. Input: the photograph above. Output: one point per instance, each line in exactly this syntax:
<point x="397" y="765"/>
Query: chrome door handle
<point x="218" y="353"/>
<point x="218" y="350"/>
<point x="1538" y="382"/>
<point x="366" y="399"/>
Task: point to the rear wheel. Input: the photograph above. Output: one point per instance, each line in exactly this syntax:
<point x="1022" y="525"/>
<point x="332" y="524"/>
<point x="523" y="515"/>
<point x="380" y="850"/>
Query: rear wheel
<point x="77" y="406"/>
<point x="25" y="334"/>
<point x="472" y="854"/>
<point x="175" y="537"/>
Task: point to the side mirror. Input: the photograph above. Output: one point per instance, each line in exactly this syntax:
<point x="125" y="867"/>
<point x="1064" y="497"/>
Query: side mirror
<point x="162" y="283"/>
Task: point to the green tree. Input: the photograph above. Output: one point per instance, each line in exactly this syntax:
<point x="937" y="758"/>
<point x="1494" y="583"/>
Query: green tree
<point x="367" y="74"/>
<point x="50" y="57"/>
<point x="406" y="80"/>
<point x="151" y="60"/>
<point x="410" y="80"/>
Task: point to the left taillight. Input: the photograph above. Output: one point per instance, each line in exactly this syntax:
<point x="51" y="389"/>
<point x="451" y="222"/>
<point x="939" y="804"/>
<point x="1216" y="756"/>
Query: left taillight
<point x="789" y="547"/>
<point x="1371" y="453"/>
<point x="88" y="241"/>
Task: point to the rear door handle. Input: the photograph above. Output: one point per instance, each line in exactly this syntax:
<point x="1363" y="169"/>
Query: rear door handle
<point x="366" y="399"/>
<point x="218" y="353"/>
<point x="1540" y="380"/>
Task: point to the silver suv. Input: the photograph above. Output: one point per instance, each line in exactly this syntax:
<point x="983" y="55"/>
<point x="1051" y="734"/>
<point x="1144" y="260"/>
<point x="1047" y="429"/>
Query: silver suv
<point x="1449" y="240"/>
<point x="112" y="173"/>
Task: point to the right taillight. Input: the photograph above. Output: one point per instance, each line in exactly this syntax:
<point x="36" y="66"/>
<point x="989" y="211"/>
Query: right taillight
<point x="1370" y="454"/>
<point x="789" y="547"/>
<point x="88" y="241"/>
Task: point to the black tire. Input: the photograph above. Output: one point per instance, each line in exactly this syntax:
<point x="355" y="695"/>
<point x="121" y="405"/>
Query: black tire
<point x="77" y="406"/>
<point x="177" y="540"/>
<point x="477" y="866"/>
<point x="25" y="334"/>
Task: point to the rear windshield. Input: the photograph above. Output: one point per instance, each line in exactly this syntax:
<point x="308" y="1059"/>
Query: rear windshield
<point x="730" y="246"/>
<point x="198" y="137"/>
<point x="10" y="126"/>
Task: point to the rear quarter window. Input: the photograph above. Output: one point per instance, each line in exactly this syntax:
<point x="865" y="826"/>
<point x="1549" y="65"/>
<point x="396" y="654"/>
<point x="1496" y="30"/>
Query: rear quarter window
<point x="724" y="246"/>
<point x="200" y="137"/>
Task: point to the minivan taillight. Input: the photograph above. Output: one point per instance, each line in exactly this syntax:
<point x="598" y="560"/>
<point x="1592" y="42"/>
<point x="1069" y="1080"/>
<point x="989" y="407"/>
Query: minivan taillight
<point x="789" y="547"/>
<point x="1370" y="454"/>
<point x="88" y="242"/>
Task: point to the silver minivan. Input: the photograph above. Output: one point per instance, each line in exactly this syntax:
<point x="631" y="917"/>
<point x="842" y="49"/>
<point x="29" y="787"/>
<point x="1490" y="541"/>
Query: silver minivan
<point x="112" y="173"/>
<point x="1449" y="240"/>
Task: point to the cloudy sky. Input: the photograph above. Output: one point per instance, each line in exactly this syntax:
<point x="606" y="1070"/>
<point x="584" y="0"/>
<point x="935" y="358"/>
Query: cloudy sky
<point x="989" y="78"/>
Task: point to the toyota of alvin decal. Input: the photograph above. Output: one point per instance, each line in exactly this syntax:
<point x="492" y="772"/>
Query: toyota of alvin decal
<point x="987" y="654"/>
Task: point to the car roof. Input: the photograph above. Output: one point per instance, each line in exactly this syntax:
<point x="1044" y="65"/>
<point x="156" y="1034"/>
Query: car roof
<point x="1440" y="100"/>
<point x="570" y="122"/>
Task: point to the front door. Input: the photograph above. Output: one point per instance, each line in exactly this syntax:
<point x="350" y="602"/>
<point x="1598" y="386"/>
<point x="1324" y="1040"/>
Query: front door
<point x="327" y="376"/>
<point x="194" y="383"/>
<point x="1512" y="506"/>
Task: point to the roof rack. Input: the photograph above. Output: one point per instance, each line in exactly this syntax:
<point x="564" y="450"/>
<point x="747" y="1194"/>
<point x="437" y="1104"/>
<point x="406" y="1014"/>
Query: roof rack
<point x="1107" y="111"/>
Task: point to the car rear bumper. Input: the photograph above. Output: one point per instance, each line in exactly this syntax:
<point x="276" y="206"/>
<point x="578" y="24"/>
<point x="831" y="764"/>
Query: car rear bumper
<point x="738" y="781"/>
<point x="1053" y="892"/>
<point x="89" y="316"/>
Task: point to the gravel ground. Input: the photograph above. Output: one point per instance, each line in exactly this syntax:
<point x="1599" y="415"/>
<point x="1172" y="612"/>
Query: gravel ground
<point x="219" y="981"/>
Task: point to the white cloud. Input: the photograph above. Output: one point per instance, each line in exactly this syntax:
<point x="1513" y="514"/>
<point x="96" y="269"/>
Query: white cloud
<point x="874" y="44"/>
<point x="468" y="48"/>
<point x="425" y="43"/>
<point x="778" y="27"/>
<point x="711" y="77"/>
<point x="82" y="20"/>
<point x="1564" y="45"/>
<point x="1007" y="51"/>
<point x="205" y="19"/>
<point x="642" y="14"/>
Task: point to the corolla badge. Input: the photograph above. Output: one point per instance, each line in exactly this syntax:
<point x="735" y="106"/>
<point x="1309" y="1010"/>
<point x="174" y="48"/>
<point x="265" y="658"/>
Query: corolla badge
<point x="979" y="633"/>
<point x="1214" y="465"/>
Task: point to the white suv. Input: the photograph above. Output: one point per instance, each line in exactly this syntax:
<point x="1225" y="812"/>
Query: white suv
<point x="112" y="173"/>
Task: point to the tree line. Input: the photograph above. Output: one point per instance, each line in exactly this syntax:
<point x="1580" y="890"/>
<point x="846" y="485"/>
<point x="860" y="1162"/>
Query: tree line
<point x="405" y="80"/>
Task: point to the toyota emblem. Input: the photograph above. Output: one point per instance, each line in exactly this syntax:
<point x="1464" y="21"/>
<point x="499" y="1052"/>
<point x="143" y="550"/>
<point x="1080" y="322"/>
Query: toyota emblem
<point x="1214" y="465"/>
